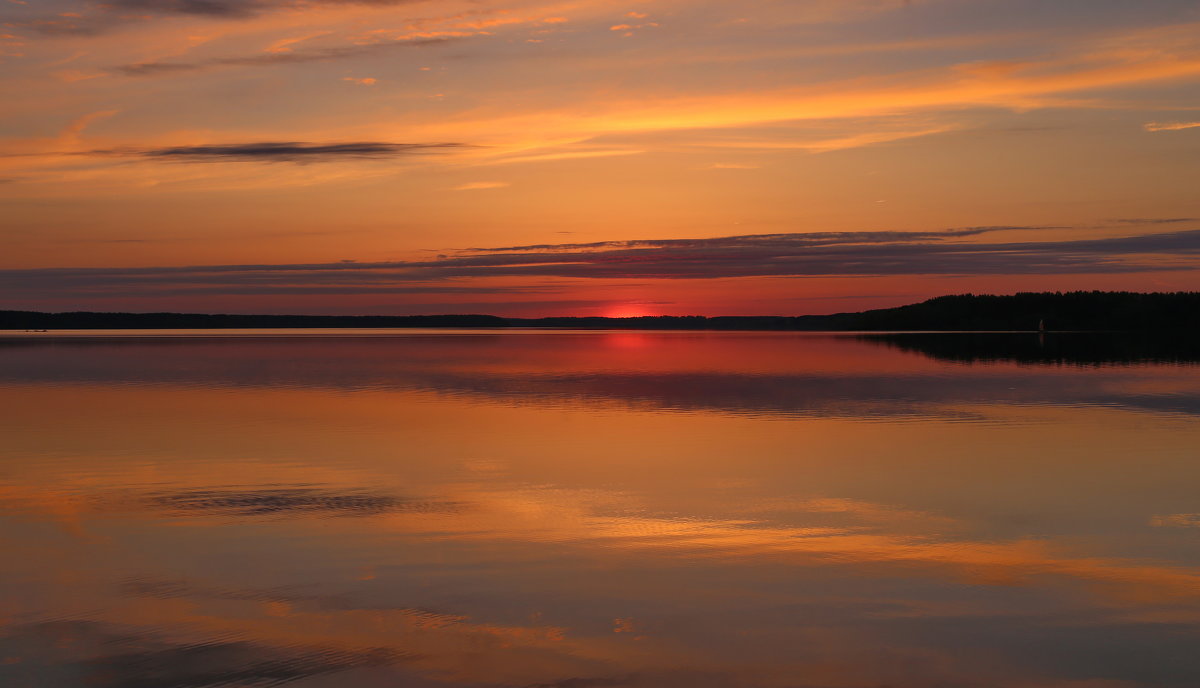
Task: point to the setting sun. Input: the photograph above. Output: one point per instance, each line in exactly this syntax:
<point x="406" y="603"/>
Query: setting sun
<point x="627" y="310"/>
<point x="528" y="158"/>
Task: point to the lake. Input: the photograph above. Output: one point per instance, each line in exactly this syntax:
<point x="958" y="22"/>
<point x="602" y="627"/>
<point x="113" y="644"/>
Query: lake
<point x="579" y="509"/>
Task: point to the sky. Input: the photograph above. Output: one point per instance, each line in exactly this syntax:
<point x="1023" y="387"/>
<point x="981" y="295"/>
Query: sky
<point x="592" y="157"/>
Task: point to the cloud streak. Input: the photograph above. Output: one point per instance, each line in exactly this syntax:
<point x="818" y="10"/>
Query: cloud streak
<point x="140" y="69"/>
<point x="97" y="17"/>
<point x="298" y="500"/>
<point x="231" y="8"/>
<point x="1170" y="126"/>
<point x="772" y="255"/>
<point x="146" y="660"/>
<point x="480" y="186"/>
<point x="280" y="151"/>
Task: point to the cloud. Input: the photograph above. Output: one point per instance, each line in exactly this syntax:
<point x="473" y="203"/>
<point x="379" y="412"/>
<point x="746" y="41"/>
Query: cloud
<point x="319" y="289"/>
<point x="231" y="8"/>
<point x="73" y="131"/>
<point x="780" y="240"/>
<point x="1176" y="521"/>
<point x="275" y="58"/>
<point x="1063" y="77"/>
<point x="167" y="589"/>
<point x="1170" y="126"/>
<point x="285" y="501"/>
<point x="628" y="30"/>
<point x="212" y="8"/>
<point x="555" y="156"/>
<point x="119" y="656"/>
<point x="868" y="139"/>
<point x="99" y="17"/>
<point x="832" y="254"/>
<point x="102" y="16"/>
<point x="1155" y="220"/>
<point x="270" y="283"/>
<point x="280" y="151"/>
<point x="765" y="255"/>
<point x="583" y="682"/>
<point x="479" y="186"/>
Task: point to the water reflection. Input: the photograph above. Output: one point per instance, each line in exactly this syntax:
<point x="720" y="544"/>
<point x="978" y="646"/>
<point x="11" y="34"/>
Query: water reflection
<point x="752" y="373"/>
<point x="612" y="509"/>
<point x="277" y="501"/>
<point x="1057" y="348"/>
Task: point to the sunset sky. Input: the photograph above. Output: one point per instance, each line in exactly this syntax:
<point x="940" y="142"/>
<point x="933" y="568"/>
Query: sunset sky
<point x="592" y="157"/>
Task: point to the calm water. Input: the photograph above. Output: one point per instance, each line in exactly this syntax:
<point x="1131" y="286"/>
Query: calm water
<point x="583" y="510"/>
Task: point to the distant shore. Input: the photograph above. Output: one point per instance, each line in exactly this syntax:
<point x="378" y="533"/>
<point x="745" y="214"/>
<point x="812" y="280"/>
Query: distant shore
<point x="1030" y="311"/>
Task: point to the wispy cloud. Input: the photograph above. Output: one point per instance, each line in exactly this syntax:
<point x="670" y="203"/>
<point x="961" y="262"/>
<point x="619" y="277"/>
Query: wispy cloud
<point x="933" y="98"/>
<point x="153" y="660"/>
<point x="1170" y="126"/>
<point x="233" y="8"/>
<point x="1176" y="521"/>
<point x="97" y="17"/>
<point x="553" y="155"/>
<point x="72" y="132"/>
<point x="779" y="241"/>
<point x="218" y="8"/>
<point x="480" y="186"/>
<point x="288" y="500"/>
<point x="1155" y="220"/>
<point x="285" y="151"/>
<point x="323" y="54"/>
<point x="769" y="255"/>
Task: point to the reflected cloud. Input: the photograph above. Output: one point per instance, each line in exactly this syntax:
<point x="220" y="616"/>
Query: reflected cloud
<point x="70" y="507"/>
<point x="582" y="520"/>
<point x="110" y="656"/>
<point x="792" y="387"/>
<point x="474" y="509"/>
<point x="291" y="633"/>
<point x="586" y="683"/>
<point x="1065" y="349"/>
<point x="288" y="599"/>
<point x="283" y="501"/>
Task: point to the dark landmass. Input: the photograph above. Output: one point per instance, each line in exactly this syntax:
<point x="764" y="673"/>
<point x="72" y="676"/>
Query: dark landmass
<point x="1057" y="311"/>
<point x="1053" y="348"/>
<point x="1060" y="311"/>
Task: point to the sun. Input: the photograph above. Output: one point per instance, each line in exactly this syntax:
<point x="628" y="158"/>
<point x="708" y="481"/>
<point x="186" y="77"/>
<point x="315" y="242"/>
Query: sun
<point x="627" y="310"/>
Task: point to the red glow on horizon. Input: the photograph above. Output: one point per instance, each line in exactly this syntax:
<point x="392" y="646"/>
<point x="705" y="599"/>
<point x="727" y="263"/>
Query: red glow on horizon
<point x="627" y="310"/>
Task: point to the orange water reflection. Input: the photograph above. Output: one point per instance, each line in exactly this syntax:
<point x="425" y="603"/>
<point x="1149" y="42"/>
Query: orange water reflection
<point x="572" y="510"/>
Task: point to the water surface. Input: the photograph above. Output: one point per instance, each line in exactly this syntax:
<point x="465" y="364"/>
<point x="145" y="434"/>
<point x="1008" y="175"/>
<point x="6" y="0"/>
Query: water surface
<point x="583" y="509"/>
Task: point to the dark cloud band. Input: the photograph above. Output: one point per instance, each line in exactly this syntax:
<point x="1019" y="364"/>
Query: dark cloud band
<point x="101" y="16"/>
<point x="229" y="8"/>
<point x="287" y="151"/>
<point x="267" y="59"/>
<point x="775" y="255"/>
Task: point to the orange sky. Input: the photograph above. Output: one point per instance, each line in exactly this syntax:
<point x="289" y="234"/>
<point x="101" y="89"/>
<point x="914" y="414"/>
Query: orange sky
<point x="533" y="157"/>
